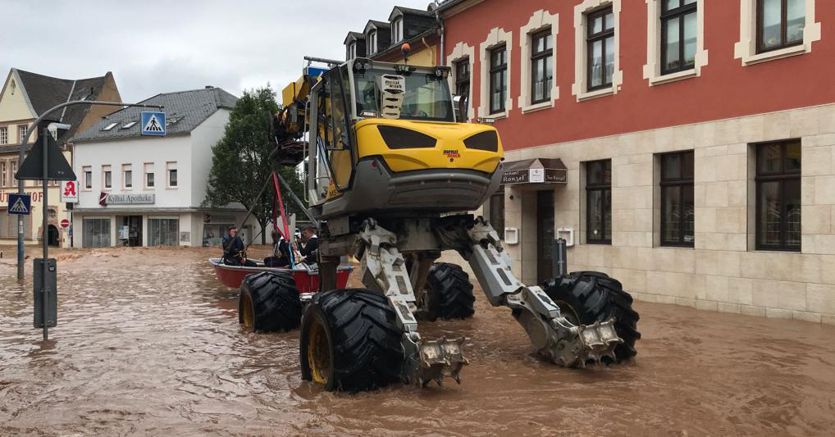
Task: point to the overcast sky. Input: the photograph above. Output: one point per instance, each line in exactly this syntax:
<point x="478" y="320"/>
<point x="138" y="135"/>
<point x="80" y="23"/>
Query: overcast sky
<point x="157" y="46"/>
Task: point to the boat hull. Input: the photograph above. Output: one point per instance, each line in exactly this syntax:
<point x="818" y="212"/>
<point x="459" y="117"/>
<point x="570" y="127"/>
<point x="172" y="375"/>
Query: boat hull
<point x="306" y="281"/>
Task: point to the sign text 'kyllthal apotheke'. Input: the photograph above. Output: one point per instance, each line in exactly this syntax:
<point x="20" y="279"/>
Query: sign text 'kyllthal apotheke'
<point x="131" y="199"/>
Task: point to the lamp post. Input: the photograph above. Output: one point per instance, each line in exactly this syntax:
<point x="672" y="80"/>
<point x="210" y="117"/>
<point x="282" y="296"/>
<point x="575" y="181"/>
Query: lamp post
<point x="21" y="155"/>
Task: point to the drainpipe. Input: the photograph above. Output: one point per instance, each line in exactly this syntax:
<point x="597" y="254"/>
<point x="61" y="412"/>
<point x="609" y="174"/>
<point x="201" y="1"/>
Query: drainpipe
<point x="442" y="29"/>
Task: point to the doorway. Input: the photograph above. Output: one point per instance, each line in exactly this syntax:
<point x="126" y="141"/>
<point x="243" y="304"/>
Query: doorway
<point x="130" y="230"/>
<point x="544" y="236"/>
<point x="53" y="236"/>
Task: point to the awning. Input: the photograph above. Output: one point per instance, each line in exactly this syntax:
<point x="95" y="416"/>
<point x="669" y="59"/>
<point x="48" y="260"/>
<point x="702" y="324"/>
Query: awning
<point x="534" y="171"/>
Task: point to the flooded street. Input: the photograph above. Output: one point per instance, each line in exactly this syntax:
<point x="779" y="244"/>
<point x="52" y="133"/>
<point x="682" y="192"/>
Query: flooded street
<point x="148" y="343"/>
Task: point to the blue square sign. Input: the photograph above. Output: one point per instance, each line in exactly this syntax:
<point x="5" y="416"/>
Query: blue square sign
<point x="153" y="123"/>
<point x="20" y="204"/>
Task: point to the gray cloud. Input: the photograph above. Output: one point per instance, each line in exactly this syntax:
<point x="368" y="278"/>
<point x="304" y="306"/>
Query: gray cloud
<point x="156" y="46"/>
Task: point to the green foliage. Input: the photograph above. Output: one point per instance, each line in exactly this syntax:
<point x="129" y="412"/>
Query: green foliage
<point x="241" y="162"/>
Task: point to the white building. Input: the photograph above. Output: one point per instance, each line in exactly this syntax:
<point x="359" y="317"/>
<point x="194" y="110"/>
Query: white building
<point x="139" y="190"/>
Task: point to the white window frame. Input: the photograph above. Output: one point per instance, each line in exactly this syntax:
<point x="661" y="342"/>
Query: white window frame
<point x="4" y="165"/>
<point x="460" y="52"/>
<point x="397" y="29"/>
<point x="145" y="172"/>
<point x="495" y="37"/>
<point x="127" y="168"/>
<point x="652" y="69"/>
<point x="12" y="172"/>
<point x="746" y="48"/>
<point x="580" y="89"/>
<point x="539" y="21"/>
<point x="171" y="165"/>
<point x="25" y="131"/>
<point x="352" y="50"/>
<point x="4" y="135"/>
<point x="104" y="170"/>
<point x="84" y="170"/>
<point x="372" y="42"/>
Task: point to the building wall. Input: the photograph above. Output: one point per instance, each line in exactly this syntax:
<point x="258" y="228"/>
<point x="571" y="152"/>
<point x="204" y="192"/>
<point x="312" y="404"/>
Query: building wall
<point x="723" y="272"/>
<point x="108" y="93"/>
<point x="725" y="88"/>
<point x="203" y="138"/>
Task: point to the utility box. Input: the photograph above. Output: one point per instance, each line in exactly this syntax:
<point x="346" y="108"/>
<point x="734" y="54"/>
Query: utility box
<point x="51" y="295"/>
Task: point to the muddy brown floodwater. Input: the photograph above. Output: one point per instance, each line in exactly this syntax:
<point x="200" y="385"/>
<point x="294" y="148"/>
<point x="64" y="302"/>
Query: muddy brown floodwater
<point x="148" y="343"/>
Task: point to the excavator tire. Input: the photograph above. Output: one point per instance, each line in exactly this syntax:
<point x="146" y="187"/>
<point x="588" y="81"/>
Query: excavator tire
<point x="350" y="341"/>
<point x="588" y="297"/>
<point x="269" y="302"/>
<point x="449" y="293"/>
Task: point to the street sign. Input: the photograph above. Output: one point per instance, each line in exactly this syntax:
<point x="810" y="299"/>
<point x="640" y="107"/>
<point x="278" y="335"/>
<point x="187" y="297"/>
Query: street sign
<point x="58" y="169"/>
<point x="65" y="223"/>
<point x="153" y="123"/>
<point x="20" y="204"/>
<point x="69" y="192"/>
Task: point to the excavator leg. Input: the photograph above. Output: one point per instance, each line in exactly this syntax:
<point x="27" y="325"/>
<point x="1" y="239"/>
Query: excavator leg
<point x="553" y="336"/>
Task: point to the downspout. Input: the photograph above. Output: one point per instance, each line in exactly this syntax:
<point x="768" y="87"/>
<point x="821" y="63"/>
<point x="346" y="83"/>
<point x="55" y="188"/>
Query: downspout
<point x="442" y="30"/>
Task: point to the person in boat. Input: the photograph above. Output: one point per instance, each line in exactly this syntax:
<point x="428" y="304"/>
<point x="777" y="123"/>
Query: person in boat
<point x="234" y="250"/>
<point x="281" y="252"/>
<point x="310" y="248"/>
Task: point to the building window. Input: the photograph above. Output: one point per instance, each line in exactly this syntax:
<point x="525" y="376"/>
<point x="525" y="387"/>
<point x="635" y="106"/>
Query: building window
<point x="498" y="79"/>
<point x="599" y="202"/>
<point x="397" y="30"/>
<point x="542" y="66"/>
<point x="372" y="43"/>
<point x="22" y="131"/>
<point x="149" y="175"/>
<point x="88" y="178"/>
<point x="778" y="196"/>
<point x="677" y="207"/>
<point x="600" y="43"/>
<point x="497" y="212"/>
<point x="352" y="50"/>
<point x="172" y="174"/>
<point x="4" y="135"/>
<point x="127" y="176"/>
<point x="163" y="232"/>
<point x="679" y="35"/>
<point x="96" y="232"/>
<point x="462" y="85"/>
<point x="780" y="24"/>
<point x="107" y="177"/>
<point x="13" y="172"/>
<point x="3" y="174"/>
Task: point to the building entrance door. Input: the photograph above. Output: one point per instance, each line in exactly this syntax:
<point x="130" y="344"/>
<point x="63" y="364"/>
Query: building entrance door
<point x="130" y="230"/>
<point x="544" y="235"/>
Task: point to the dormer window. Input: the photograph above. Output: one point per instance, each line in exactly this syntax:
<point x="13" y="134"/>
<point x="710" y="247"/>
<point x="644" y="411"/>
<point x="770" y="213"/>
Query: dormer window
<point x="352" y="50"/>
<point x="372" y="43"/>
<point x="397" y="30"/>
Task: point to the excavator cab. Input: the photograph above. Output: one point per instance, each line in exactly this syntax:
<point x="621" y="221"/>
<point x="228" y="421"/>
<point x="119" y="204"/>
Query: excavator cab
<point x="383" y="138"/>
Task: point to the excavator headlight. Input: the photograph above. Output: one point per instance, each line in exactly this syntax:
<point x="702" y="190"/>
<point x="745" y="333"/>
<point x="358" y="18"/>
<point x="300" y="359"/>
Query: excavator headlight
<point x="487" y="140"/>
<point x="400" y="138"/>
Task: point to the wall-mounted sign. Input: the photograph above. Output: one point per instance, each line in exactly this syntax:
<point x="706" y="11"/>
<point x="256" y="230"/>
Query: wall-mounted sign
<point x="128" y="199"/>
<point x="69" y="192"/>
<point x="534" y="171"/>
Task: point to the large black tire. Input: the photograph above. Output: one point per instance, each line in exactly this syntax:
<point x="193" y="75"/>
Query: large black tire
<point x="588" y="297"/>
<point x="449" y="293"/>
<point x="269" y="302"/>
<point x="350" y="341"/>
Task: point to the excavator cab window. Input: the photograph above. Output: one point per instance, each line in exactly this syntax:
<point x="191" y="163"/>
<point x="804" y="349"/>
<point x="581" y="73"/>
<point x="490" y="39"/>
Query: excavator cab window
<point x="333" y="136"/>
<point x="426" y="96"/>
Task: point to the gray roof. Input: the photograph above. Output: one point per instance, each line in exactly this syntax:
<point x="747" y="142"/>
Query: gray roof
<point x="413" y="11"/>
<point x="188" y="108"/>
<point x="45" y="92"/>
<point x="354" y="36"/>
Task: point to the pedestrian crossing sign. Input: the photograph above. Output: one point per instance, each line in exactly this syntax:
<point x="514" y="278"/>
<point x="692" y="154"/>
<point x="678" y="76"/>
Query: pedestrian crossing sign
<point x="153" y="123"/>
<point x="20" y="204"/>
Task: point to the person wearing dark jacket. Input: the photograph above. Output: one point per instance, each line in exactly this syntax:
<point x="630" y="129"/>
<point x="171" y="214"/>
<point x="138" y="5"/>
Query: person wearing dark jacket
<point x="310" y="249"/>
<point x="281" y="252"/>
<point x="234" y="250"/>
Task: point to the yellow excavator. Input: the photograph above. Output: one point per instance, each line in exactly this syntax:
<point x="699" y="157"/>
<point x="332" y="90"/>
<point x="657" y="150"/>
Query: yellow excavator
<point x="390" y="175"/>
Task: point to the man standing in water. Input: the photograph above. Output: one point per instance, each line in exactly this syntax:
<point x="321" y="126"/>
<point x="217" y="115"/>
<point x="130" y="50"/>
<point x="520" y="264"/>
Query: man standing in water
<point x="234" y="250"/>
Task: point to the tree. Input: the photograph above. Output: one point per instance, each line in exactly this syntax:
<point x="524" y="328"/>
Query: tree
<point x="242" y="164"/>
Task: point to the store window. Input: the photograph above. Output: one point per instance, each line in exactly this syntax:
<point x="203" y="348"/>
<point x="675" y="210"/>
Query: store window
<point x="542" y="66"/>
<point x="778" y="196"/>
<point x="498" y="79"/>
<point x="600" y="44"/>
<point x="679" y="35"/>
<point x="677" y="206"/>
<point x="599" y="202"/>
<point x="163" y="232"/>
<point x="96" y="232"/>
<point x="780" y="24"/>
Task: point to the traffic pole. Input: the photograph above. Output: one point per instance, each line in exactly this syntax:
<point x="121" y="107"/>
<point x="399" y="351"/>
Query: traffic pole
<point x="45" y="236"/>
<point x="20" y="254"/>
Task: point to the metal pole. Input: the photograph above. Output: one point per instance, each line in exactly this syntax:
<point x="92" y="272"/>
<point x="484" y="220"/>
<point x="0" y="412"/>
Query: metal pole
<point x="296" y="199"/>
<point x="560" y="258"/>
<point x="20" y="154"/>
<point x="45" y="235"/>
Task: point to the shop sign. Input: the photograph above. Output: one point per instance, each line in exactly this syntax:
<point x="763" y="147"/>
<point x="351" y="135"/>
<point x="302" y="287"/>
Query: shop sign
<point x="131" y="199"/>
